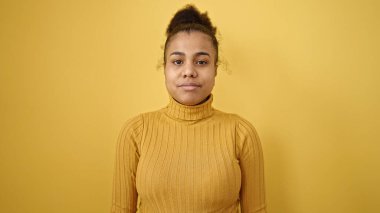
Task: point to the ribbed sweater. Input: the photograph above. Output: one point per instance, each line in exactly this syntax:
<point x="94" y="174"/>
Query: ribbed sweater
<point x="188" y="159"/>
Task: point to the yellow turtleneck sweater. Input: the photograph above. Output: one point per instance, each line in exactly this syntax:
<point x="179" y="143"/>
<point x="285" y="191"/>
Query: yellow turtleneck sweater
<point x="188" y="159"/>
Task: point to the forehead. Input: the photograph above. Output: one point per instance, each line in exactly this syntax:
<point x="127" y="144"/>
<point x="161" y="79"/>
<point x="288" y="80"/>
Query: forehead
<point x="189" y="42"/>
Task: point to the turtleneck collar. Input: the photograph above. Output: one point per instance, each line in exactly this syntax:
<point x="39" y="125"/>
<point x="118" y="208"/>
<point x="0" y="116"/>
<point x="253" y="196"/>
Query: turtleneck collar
<point x="183" y="112"/>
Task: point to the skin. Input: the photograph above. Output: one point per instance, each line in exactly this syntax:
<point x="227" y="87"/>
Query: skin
<point x="190" y="67"/>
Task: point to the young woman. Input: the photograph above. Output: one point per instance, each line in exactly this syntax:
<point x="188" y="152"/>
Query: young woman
<point x="188" y="156"/>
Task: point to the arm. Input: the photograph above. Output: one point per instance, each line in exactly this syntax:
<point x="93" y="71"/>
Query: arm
<point x="124" y="197"/>
<point x="249" y="152"/>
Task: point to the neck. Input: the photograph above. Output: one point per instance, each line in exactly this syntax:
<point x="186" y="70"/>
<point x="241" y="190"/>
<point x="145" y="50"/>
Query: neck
<point x="183" y="112"/>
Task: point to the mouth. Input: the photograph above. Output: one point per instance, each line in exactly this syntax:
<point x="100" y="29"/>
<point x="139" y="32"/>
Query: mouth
<point x="189" y="86"/>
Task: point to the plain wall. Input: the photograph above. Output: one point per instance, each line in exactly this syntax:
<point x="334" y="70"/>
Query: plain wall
<point x="305" y="73"/>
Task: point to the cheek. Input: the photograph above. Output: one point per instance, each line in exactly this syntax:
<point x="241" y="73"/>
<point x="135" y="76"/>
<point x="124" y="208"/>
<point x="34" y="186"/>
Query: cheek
<point x="211" y="75"/>
<point x="210" y="81"/>
<point x="169" y="76"/>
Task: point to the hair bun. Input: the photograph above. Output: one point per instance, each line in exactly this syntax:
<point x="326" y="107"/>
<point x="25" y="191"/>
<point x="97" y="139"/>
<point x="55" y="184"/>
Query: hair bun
<point x="190" y="19"/>
<point x="190" y="15"/>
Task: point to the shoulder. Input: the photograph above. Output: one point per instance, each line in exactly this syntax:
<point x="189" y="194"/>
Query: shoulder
<point x="247" y="138"/>
<point x="245" y="129"/>
<point x="244" y="125"/>
<point x="152" y="114"/>
<point x="137" y="122"/>
<point x="132" y="126"/>
<point x="237" y="120"/>
<point x="142" y="117"/>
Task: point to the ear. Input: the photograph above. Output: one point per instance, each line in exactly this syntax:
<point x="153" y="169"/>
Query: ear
<point x="216" y="69"/>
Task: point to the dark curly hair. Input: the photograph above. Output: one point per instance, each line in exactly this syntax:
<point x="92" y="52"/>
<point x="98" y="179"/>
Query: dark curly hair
<point x="190" y="19"/>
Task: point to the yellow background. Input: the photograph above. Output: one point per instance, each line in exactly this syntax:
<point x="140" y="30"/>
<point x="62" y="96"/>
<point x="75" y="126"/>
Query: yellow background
<point x="304" y="72"/>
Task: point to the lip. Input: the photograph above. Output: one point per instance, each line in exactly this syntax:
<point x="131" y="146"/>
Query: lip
<point x="189" y="86"/>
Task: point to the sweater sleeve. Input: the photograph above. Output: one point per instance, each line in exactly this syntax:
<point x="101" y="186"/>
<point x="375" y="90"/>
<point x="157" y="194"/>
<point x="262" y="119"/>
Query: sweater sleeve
<point x="124" y="197"/>
<point x="250" y="156"/>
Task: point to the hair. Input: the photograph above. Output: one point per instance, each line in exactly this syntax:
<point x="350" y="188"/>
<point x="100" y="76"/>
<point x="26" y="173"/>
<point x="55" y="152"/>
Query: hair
<point x="190" y="19"/>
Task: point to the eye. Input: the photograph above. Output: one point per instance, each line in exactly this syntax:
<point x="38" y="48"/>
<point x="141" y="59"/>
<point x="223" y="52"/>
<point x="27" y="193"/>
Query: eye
<point x="202" y="62"/>
<point x="177" y="62"/>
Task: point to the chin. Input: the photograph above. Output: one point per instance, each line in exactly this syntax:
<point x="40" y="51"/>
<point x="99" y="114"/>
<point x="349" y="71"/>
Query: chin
<point x="189" y="100"/>
<point x="186" y="101"/>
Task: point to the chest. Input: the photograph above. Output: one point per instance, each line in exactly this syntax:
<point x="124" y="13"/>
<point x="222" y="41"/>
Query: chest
<point x="193" y="164"/>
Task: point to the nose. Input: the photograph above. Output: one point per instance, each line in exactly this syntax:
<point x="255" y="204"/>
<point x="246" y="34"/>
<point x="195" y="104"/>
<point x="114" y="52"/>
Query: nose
<point x="190" y="71"/>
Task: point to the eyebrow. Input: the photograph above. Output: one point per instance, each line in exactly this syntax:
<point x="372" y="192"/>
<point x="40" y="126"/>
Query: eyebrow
<point x="197" y="54"/>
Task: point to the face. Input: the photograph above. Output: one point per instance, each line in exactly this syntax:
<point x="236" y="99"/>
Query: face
<point x="190" y="67"/>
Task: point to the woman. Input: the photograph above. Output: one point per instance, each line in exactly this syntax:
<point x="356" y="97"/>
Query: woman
<point x="188" y="156"/>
